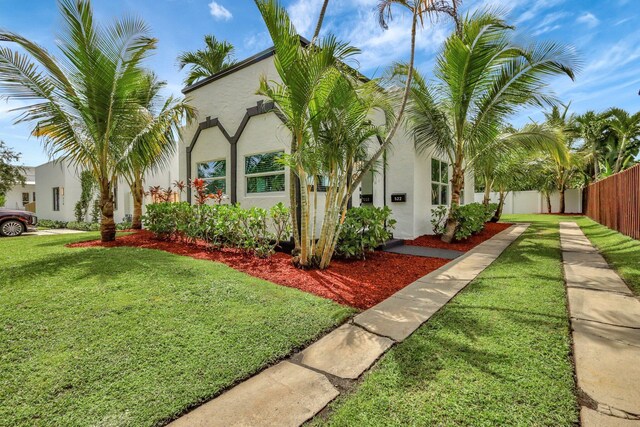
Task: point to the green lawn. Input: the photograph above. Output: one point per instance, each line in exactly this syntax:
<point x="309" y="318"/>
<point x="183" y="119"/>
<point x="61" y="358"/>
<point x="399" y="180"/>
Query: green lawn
<point x="620" y="251"/>
<point x="124" y="336"/>
<point x="497" y="354"/>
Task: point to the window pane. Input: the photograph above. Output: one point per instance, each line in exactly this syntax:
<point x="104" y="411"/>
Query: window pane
<point x="444" y="190"/>
<point x="444" y="172"/>
<point x="323" y="183"/>
<point x="217" y="184"/>
<point x="435" y="194"/>
<point x="212" y="169"/>
<point x="435" y="170"/>
<point x="261" y="163"/>
<point x="265" y="184"/>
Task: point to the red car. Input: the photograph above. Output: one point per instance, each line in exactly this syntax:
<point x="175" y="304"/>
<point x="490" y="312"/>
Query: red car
<point x="14" y="223"/>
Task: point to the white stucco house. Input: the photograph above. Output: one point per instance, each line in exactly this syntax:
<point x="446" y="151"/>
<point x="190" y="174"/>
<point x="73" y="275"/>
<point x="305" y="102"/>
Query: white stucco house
<point x="237" y="134"/>
<point x="21" y="197"/>
<point x="58" y="190"/>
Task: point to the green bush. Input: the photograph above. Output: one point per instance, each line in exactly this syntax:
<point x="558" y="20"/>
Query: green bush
<point x="124" y="225"/>
<point x="471" y="219"/>
<point x="50" y="223"/>
<point x="255" y="230"/>
<point x="363" y="230"/>
<point x="83" y="226"/>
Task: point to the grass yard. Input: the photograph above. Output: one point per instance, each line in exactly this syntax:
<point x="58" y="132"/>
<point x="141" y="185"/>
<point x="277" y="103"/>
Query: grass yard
<point x="497" y="354"/>
<point x="620" y="251"/>
<point x="128" y="336"/>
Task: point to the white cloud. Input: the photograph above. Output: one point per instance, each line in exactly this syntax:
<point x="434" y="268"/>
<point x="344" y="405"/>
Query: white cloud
<point x="303" y="14"/>
<point x="589" y="19"/>
<point x="219" y="12"/>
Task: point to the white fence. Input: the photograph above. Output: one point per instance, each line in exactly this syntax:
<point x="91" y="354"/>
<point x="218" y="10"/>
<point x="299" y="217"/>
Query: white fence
<point x="527" y="202"/>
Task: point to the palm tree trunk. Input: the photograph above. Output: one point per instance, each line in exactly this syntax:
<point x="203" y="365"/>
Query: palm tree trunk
<point x="138" y="195"/>
<point x="294" y="202"/>
<point x="498" y="213"/>
<point x="457" y="182"/>
<point x="316" y="33"/>
<point x="487" y="192"/>
<point x="107" y="224"/>
<point x="562" y="207"/>
<point x="548" y="197"/>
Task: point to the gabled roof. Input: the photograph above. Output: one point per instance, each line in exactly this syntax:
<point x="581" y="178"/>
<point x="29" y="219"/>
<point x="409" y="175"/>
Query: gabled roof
<point x="245" y="63"/>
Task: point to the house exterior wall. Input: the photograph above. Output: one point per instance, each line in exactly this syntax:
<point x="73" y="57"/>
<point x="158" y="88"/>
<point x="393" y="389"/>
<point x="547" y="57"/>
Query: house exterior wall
<point x="13" y="198"/>
<point x="224" y="103"/>
<point x="67" y="178"/>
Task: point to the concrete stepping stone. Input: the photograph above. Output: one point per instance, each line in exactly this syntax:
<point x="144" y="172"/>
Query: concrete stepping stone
<point x="584" y="259"/>
<point x="346" y="352"/>
<point x="436" y="290"/>
<point x="591" y="418"/>
<point x="396" y="318"/>
<point x="283" y="395"/>
<point x="607" y="367"/>
<point x="605" y="307"/>
<point x="595" y="278"/>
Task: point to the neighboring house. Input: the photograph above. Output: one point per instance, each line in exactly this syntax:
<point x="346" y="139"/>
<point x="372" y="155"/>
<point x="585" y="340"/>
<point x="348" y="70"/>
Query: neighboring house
<point x="237" y="134"/>
<point x="58" y="190"/>
<point x="21" y="197"/>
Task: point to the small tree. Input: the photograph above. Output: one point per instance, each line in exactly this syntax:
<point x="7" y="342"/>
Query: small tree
<point x="202" y="63"/>
<point x="87" y="185"/>
<point x="10" y="174"/>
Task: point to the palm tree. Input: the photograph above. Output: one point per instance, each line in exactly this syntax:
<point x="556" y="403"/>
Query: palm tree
<point x="564" y="171"/>
<point x="482" y="77"/>
<point x="590" y="126"/>
<point x="82" y="105"/>
<point x="159" y="123"/>
<point x="203" y="63"/>
<point x="627" y="128"/>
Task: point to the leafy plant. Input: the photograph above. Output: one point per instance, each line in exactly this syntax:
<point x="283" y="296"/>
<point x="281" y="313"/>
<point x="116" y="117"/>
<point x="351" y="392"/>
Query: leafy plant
<point x="50" y="223"/>
<point x="83" y="226"/>
<point x="470" y="218"/>
<point x="124" y="225"/>
<point x="363" y="230"/>
<point x="95" y="212"/>
<point x="87" y="185"/>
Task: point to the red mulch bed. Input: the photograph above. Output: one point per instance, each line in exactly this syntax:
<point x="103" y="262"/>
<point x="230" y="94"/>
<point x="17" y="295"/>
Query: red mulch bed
<point x="490" y="230"/>
<point x="360" y="284"/>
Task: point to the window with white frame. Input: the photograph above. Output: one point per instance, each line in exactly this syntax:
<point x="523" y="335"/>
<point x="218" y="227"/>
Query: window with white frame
<point x="439" y="182"/>
<point x="264" y="173"/>
<point x="214" y="173"/>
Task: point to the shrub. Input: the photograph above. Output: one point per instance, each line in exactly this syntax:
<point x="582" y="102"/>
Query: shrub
<point x="124" y="225"/>
<point x="256" y="230"/>
<point x="363" y="230"/>
<point x="50" y="223"/>
<point x="471" y="219"/>
<point x="83" y="226"/>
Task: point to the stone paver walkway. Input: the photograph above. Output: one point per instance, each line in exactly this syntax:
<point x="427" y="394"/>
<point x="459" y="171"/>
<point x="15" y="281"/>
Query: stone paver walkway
<point x="605" y="323"/>
<point x="293" y="391"/>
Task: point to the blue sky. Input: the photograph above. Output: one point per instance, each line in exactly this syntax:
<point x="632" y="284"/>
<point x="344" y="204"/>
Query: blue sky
<point x="605" y="33"/>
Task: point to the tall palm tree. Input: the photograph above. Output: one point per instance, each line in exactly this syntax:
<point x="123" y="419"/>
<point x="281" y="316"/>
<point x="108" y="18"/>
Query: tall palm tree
<point x="627" y="128"/>
<point x="564" y="172"/>
<point x="590" y="126"/>
<point x="162" y="118"/>
<point x="82" y="105"/>
<point x="482" y="77"/>
<point x="203" y="63"/>
<point x="306" y="75"/>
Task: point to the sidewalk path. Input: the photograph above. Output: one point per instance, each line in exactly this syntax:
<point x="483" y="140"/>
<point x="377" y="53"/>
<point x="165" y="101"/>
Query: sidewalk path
<point x="293" y="391"/>
<point x="605" y="323"/>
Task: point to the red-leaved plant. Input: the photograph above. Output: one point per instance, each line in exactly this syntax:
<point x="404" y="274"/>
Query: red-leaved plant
<point x="200" y="188"/>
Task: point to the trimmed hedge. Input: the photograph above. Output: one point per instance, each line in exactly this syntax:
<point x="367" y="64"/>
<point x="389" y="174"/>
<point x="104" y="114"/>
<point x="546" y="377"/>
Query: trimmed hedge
<point x="471" y="219"/>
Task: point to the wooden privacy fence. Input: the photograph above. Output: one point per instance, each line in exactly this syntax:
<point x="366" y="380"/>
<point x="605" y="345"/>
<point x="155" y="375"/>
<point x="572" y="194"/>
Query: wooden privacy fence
<point x="615" y="202"/>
